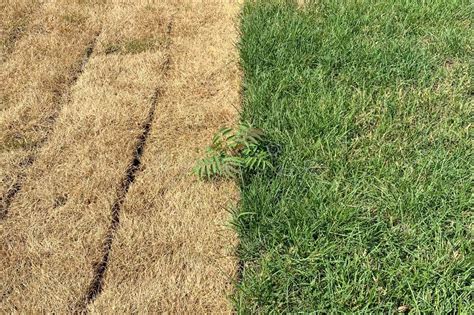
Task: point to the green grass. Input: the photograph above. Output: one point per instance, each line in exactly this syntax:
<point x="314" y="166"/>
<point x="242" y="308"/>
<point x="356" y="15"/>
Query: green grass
<point x="370" y="207"/>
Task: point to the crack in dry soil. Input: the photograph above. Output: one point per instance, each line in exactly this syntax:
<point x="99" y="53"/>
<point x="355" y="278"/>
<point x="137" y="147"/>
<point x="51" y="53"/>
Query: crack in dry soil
<point x="7" y="199"/>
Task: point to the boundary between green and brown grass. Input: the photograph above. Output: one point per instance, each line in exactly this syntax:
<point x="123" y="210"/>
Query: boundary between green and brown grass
<point x="174" y="249"/>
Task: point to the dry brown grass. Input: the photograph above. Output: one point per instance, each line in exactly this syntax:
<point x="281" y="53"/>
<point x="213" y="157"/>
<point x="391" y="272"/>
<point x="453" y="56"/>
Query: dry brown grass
<point x="173" y="249"/>
<point x="53" y="234"/>
<point x="14" y="19"/>
<point x="35" y="79"/>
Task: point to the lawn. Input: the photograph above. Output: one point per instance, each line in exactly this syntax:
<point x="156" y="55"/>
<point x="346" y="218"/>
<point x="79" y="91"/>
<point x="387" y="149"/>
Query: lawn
<point x="369" y="207"/>
<point x="104" y="108"/>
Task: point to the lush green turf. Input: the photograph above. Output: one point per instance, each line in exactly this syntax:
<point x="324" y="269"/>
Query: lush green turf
<point x="370" y="207"/>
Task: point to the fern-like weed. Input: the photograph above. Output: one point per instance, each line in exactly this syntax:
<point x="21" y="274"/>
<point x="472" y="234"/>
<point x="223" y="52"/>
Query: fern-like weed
<point x="232" y="151"/>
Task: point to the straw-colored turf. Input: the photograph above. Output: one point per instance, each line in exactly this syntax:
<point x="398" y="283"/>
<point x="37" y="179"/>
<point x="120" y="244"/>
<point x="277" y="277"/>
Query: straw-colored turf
<point x="14" y="19"/>
<point x="173" y="250"/>
<point x="35" y="78"/>
<point x="53" y="233"/>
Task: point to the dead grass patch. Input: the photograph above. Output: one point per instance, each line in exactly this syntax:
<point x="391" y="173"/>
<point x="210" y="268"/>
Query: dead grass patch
<point x="35" y="79"/>
<point x="139" y="31"/>
<point x="14" y="19"/>
<point x="173" y="250"/>
<point x="56" y="225"/>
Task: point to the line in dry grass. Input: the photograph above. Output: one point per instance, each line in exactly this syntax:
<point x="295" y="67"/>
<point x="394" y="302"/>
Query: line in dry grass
<point x="7" y="198"/>
<point x="96" y="286"/>
<point x="173" y="252"/>
<point x="36" y="80"/>
<point x="53" y="237"/>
